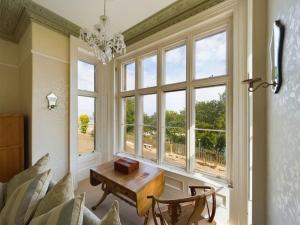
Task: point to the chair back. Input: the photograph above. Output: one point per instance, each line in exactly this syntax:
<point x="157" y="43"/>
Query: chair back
<point x="185" y="211"/>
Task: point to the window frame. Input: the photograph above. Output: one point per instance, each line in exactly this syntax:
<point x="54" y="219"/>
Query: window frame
<point x="189" y="39"/>
<point x="86" y="58"/>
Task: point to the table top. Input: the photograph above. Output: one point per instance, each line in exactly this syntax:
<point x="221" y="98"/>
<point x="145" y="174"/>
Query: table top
<point x="134" y="181"/>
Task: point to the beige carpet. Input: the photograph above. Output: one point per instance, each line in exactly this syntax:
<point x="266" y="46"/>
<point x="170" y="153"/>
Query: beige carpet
<point x="127" y="213"/>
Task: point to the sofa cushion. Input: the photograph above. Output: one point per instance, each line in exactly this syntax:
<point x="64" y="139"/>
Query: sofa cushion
<point x="61" y="192"/>
<point x="21" y="205"/>
<point x="112" y="216"/>
<point x="68" y="213"/>
<point x="21" y="178"/>
<point x="89" y="218"/>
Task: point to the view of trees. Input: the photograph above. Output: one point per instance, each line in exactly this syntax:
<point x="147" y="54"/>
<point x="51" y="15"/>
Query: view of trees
<point x="210" y="124"/>
<point x="84" y="121"/>
<point x="210" y="115"/>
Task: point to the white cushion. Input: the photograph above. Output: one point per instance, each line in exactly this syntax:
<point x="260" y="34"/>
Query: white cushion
<point x="112" y="216"/>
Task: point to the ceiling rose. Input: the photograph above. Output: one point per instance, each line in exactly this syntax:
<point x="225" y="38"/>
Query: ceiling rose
<point x="104" y="47"/>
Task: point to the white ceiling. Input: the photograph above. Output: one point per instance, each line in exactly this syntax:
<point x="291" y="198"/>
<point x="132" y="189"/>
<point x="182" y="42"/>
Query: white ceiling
<point x="123" y="14"/>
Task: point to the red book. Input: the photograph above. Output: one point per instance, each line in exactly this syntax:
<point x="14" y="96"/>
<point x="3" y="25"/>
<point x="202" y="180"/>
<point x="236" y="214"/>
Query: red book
<point x="126" y="165"/>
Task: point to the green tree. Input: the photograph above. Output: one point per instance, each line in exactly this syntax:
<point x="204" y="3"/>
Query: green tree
<point x="130" y="116"/>
<point x="84" y="121"/>
<point x="175" y="123"/>
<point x="211" y="115"/>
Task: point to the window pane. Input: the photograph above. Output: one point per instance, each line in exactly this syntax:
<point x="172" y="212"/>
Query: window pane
<point x="129" y="132"/>
<point x="86" y="76"/>
<point x="129" y="77"/>
<point x="149" y="127"/>
<point x="175" y="65"/>
<point x="86" y="124"/>
<point x="149" y="71"/>
<point x="129" y="145"/>
<point x="175" y="132"/>
<point x="211" y="56"/>
<point x="210" y="140"/>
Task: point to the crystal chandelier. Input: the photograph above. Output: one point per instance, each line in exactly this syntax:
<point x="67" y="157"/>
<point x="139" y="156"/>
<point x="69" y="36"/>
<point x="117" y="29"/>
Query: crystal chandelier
<point x="104" y="47"/>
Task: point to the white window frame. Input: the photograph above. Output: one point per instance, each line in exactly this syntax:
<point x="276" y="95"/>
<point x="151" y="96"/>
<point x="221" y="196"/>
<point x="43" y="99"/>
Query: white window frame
<point x="188" y="39"/>
<point x="83" y="57"/>
<point x="80" y="165"/>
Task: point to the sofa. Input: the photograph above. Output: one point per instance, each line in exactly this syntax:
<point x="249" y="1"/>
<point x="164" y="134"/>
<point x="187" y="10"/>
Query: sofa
<point x="31" y="197"/>
<point x="89" y="218"/>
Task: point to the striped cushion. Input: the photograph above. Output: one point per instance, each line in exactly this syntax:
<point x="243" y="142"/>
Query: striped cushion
<point x="22" y="203"/>
<point x="68" y="213"/>
<point x="61" y="192"/>
<point x="26" y="175"/>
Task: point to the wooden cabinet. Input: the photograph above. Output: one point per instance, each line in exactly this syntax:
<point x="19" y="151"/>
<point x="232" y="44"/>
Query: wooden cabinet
<point x="11" y="145"/>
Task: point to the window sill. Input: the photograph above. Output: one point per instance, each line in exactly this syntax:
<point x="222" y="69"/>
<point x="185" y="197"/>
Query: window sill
<point x="216" y="182"/>
<point x="88" y="156"/>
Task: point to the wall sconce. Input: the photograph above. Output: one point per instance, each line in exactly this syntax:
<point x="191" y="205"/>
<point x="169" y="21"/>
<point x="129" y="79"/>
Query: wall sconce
<point x="52" y="99"/>
<point x="276" y="50"/>
<point x="263" y="84"/>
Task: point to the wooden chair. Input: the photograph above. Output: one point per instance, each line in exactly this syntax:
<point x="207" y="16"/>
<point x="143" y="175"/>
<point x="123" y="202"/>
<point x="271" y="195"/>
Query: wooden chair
<point x="199" y="209"/>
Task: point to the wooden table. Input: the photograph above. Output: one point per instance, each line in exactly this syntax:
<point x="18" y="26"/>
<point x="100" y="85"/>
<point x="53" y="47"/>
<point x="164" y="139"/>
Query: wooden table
<point x="132" y="188"/>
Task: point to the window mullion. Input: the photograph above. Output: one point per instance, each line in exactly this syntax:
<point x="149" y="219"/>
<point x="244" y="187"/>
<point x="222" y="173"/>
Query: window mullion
<point x="138" y="109"/>
<point x="160" y="108"/>
<point x="139" y="125"/>
<point x="190" y="107"/>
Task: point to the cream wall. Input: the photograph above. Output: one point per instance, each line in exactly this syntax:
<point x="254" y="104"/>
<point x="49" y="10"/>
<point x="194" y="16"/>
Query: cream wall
<point x="29" y="71"/>
<point x="25" y="73"/>
<point x="283" y="117"/>
<point x="9" y="77"/>
<point x="257" y="109"/>
<point x="50" y="73"/>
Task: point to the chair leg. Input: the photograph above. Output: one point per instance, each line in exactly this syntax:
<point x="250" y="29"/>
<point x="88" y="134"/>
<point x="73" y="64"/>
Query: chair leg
<point x="146" y="221"/>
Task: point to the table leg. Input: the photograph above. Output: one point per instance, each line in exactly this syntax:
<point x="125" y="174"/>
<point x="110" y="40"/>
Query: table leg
<point x="106" y="192"/>
<point x="146" y="221"/>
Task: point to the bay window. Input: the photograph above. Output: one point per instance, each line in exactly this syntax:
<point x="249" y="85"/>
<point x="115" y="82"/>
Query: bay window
<point x="175" y="103"/>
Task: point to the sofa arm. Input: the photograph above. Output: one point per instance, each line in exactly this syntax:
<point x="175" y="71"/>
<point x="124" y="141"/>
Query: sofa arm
<point x="90" y="218"/>
<point x="2" y="191"/>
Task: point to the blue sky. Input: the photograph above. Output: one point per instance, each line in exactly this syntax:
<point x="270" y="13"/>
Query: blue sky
<point x="210" y="57"/>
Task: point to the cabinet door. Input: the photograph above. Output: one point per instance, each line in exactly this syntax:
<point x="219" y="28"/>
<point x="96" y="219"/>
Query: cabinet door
<point x="11" y="146"/>
<point x="11" y="131"/>
<point x="11" y="162"/>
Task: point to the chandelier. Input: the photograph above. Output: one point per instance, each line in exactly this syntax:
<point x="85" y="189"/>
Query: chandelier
<point x="104" y="47"/>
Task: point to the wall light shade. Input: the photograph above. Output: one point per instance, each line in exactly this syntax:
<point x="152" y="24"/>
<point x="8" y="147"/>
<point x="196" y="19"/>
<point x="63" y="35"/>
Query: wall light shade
<point x="52" y="100"/>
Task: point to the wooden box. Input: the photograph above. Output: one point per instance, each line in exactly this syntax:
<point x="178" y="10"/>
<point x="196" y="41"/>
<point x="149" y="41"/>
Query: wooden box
<point x="126" y="165"/>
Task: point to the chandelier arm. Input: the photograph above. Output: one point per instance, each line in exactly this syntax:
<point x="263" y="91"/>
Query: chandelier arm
<point x="103" y="46"/>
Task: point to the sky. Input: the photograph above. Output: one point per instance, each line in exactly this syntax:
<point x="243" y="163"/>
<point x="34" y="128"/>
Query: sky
<point x="86" y="76"/>
<point x="210" y="59"/>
